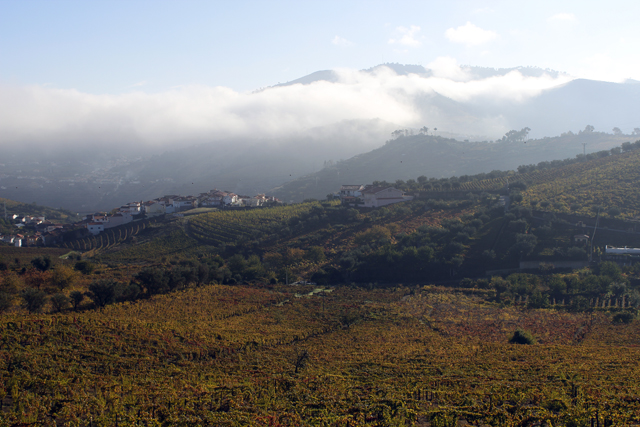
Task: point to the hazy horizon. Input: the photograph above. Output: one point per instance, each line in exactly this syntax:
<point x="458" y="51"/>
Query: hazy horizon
<point x="163" y="75"/>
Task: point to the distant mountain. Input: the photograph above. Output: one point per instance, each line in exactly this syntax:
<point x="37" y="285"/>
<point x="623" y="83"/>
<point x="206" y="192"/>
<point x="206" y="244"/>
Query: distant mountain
<point x="578" y="103"/>
<point x="475" y="73"/>
<point x="569" y="106"/>
<point x="409" y="157"/>
<point x="94" y="177"/>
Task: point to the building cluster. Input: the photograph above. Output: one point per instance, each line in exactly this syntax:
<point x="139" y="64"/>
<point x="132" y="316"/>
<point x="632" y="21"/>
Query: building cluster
<point x="371" y="196"/>
<point x="34" y="231"/>
<point x="46" y="233"/>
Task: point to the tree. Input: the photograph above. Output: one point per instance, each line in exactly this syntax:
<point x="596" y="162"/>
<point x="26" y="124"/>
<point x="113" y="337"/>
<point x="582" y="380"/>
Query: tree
<point x="76" y="298"/>
<point x="424" y="130"/>
<point x="517" y="136"/>
<point x="103" y="292"/>
<point x="59" y="301"/>
<point x="41" y="263"/>
<point x="617" y="131"/>
<point x="63" y="277"/>
<point x="315" y="254"/>
<point x="588" y="129"/>
<point x="152" y="280"/>
<point x="34" y="299"/>
<point x="636" y="131"/>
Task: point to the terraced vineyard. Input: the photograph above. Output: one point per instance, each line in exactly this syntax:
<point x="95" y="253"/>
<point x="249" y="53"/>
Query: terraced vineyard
<point x="225" y="227"/>
<point x="581" y="188"/>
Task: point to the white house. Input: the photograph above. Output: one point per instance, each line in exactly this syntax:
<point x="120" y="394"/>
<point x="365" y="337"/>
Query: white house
<point x="95" y="228"/>
<point x="184" y="202"/>
<point x="118" y="219"/>
<point x="133" y="208"/>
<point x="230" y="199"/>
<point x="255" y="201"/>
<point x="374" y="197"/>
<point x="153" y="208"/>
<point x="349" y="193"/>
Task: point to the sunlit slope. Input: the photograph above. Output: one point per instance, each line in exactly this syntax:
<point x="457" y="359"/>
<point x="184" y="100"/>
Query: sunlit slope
<point x="611" y="184"/>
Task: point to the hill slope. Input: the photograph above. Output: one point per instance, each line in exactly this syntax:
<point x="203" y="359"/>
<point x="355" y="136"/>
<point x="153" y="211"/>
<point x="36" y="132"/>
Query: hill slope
<point x="432" y="156"/>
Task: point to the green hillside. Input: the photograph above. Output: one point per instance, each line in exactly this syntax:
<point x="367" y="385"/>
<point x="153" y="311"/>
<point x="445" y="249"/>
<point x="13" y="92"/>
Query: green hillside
<point x="409" y="157"/>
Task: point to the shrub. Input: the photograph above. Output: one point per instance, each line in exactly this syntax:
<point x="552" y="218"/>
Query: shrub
<point x="6" y="301"/>
<point x="538" y="300"/>
<point x="85" y="267"/>
<point x="522" y="337"/>
<point x="624" y="317"/>
<point x="41" y="263"/>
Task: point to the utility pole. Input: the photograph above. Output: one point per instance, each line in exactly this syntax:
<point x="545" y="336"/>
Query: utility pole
<point x="584" y="150"/>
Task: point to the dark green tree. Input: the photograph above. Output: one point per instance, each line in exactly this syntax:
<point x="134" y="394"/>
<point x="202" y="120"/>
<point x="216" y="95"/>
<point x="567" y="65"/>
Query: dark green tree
<point x="103" y="292"/>
<point x="34" y="299"/>
<point x="42" y="263"/>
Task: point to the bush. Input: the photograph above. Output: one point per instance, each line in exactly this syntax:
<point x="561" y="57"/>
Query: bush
<point x="522" y="337"/>
<point x="624" y="317"/>
<point x="85" y="267"/>
<point x="41" y="263"/>
<point x="6" y="301"/>
<point x="539" y="300"/>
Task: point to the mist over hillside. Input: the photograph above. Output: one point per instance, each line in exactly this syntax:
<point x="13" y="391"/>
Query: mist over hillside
<point x="87" y="152"/>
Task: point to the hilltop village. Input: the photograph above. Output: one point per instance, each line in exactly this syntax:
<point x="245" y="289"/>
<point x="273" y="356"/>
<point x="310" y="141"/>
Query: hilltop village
<point x="38" y="231"/>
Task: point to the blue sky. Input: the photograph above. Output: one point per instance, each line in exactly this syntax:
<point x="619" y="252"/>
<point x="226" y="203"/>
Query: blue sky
<point x="111" y="47"/>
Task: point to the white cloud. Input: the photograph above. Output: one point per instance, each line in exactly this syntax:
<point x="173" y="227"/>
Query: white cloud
<point x="339" y="41"/>
<point x="191" y="114"/>
<point x="601" y="66"/>
<point x="562" y="17"/>
<point x="448" y="68"/>
<point x="470" y="35"/>
<point x="407" y="36"/>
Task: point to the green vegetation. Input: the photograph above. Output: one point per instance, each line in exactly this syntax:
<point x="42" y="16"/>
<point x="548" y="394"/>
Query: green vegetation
<point x="410" y="318"/>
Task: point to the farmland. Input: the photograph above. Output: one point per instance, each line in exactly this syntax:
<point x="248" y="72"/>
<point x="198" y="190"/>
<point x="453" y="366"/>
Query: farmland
<point x="279" y="356"/>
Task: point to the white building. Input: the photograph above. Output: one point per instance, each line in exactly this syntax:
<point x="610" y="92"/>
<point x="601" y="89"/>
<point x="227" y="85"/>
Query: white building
<point x="374" y="197"/>
<point x="95" y="228"/>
